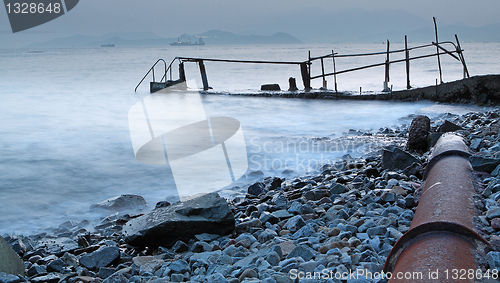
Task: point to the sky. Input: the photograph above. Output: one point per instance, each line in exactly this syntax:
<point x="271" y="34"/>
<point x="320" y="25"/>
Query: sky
<point x="170" y="18"/>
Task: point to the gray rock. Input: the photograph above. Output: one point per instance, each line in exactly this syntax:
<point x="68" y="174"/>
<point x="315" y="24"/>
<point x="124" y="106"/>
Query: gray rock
<point x="295" y="223"/>
<point x="295" y="207"/>
<point x="496" y="172"/>
<point x="273" y="258"/>
<point x="177" y="277"/>
<point x="394" y="233"/>
<point x="368" y="224"/>
<point x="36" y="270"/>
<point x="248" y="273"/>
<point x="483" y="163"/>
<point x="493" y="259"/>
<point x="282" y="214"/>
<point x="396" y="158"/>
<point x="49" y="278"/>
<point x="432" y="138"/>
<point x="10" y="262"/>
<point x="246" y="240"/>
<point x="493" y="212"/>
<point x="388" y="197"/>
<point x="268" y="217"/>
<point x="8" y="278"/>
<point x="448" y="126"/>
<point x="105" y="272"/>
<point x="179" y="266"/>
<point x="56" y="265"/>
<point x="180" y="247"/>
<point x="288" y="267"/>
<point x="257" y="189"/>
<point x="266" y="236"/>
<point x="216" y="278"/>
<point x="205" y="214"/>
<point x="418" y="132"/>
<point x="18" y="246"/>
<point x="305" y="231"/>
<point x="120" y="203"/>
<point x="103" y="257"/>
<point x="303" y="251"/>
<point x="376" y="231"/>
<point x="201" y="246"/>
<point x="116" y="278"/>
<point x="475" y="144"/>
<point x="337" y="189"/>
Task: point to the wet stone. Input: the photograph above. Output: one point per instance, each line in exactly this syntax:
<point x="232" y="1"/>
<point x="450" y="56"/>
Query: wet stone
<point x="101" y="258"/>
<point x="8" y="278"/>
<point x="305" y="252"/>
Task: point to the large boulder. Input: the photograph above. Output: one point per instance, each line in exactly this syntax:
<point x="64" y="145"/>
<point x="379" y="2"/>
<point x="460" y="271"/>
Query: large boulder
<point x="120" y="203"/>
<point x="418" y="132"/>
<point x="10" y="262"/>
<point x="396" y="158"/>
<point x="163" y="226"/>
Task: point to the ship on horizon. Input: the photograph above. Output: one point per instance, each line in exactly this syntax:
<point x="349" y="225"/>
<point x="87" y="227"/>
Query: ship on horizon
<point x="187" y="42"/>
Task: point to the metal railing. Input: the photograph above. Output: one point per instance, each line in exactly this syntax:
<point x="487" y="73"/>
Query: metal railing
<point x="305" y="66"/>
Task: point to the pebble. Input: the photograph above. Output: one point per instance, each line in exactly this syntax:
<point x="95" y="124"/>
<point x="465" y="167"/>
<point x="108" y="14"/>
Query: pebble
<point x="343" y="217"/>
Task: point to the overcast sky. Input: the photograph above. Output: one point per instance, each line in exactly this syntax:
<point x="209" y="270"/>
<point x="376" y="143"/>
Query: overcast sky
<point x="170" y="18"/>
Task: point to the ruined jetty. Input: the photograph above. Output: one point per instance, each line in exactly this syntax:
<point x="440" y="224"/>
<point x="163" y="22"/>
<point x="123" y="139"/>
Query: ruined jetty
<point x="477" y="89"/>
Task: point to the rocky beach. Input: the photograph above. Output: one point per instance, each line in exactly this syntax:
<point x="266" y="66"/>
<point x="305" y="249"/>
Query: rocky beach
<point x="340" y="220"/>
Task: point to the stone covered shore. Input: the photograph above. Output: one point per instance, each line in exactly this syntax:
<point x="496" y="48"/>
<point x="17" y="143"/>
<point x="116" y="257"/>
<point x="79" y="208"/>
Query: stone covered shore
<point x="343" y="218"/>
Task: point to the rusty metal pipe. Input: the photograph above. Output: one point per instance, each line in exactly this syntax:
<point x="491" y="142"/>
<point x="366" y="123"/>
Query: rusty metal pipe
<point x="441" y="238"/>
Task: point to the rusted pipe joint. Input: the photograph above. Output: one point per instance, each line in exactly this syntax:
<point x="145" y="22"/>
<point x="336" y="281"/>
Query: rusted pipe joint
<point x="441" y="236"/>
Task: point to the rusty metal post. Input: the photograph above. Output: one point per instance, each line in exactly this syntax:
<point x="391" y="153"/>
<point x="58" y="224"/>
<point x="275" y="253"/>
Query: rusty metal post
<point x="323" y="73"/>
<point x="437" y="50"/>
<point x="407" y="58"/>
<point x="182" y="73"/>
<point x="461" y="56"/>
<point x="441" y="236"/>
<point x="334" y="73"/>
<point x="387" y="63"/>
<point x="203" y="75"/>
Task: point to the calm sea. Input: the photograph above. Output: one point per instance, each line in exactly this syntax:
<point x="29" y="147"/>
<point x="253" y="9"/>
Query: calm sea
<point x="65" y="141"/>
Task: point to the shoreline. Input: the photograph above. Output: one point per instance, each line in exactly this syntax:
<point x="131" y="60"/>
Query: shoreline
<point x="483" y="89"/>
<point x="344" y="218"/>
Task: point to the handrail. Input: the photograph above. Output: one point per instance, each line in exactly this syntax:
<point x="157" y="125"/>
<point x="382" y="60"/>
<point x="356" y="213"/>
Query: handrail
<point x="188" y="59"/>
<point x="169" y="68"/>
<point x="152" y="69"/>
<point x="382" y="64"/>
<point x="382" y="52"/>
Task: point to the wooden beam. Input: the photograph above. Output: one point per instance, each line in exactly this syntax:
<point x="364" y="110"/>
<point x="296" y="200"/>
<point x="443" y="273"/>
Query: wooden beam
<point x="306" y="79"/>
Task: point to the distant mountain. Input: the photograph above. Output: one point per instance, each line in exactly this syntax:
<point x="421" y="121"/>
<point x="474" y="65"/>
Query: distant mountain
<point x="213" y="37"/>
<point x="224" y="37"/>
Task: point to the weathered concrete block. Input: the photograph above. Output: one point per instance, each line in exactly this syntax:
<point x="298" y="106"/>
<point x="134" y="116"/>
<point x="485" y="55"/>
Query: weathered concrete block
<point x="10" y="262"/>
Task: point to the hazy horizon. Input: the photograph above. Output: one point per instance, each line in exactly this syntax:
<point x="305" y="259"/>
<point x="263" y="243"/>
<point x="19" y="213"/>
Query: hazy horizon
<point x="307" y="22"/>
